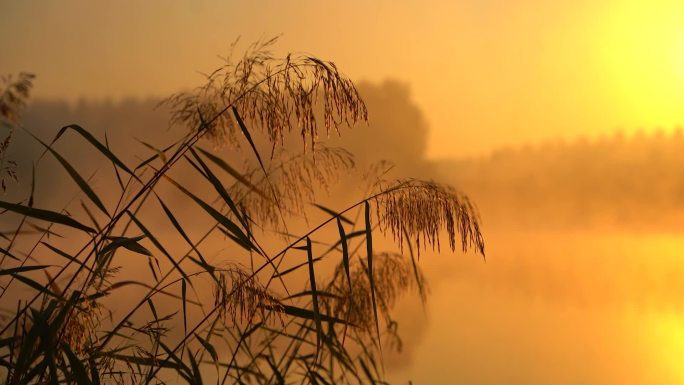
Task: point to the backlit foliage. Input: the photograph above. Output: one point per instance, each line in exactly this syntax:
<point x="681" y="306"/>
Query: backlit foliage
<point x="417" y="211"/>
<point x="217" y="304"/>
<point x="275" y="94"/>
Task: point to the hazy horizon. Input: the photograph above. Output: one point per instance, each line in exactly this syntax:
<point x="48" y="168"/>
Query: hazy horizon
<point x="486" y="74"/>
<point x="561" y="121"/>
<point x="583" y="243"/>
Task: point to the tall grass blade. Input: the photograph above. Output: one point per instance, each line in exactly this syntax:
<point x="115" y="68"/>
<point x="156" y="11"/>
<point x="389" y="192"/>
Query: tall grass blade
<point x="145" y="361"/>
<point x="345" y="252"/>
<point x="220" y="189"/>
<point x="414" y="265"/>
<point x="153" y="309"/>
<point x="314" y="374"/>
<point x="294" y="268"/>
<point x="22" y="269"/>
<point x="157" y="244"/>
<point x="371" y="280"/>
<point x="314" y="294"/>
<point x="333" y="213"/>
<point x="94" y="375"/>
<point x="34" y="285"/>
<point x="196" y="374"/>
<point x="116" y="170"/>
<point x="77" y="367"/>
<point x="157" y="155"/>
<point x="160" y="153"/>
<point x="367" y="372"/>
<point x="232" y="172"/>
<point x="182" y="368"/>
<point x="184" y="291"/>
<point x="154" y="289"/>
<point x="82" y="184"/>
<point x="245" y="131"/>
<point x="45" y="215"/>
<point x="53" y="284"/>
<point x="99" y="146"/>
<point x="127" y="243"/>
<point x="208" y="347"/>
<point x="33" y="185"/>
<point x="280" y="379"/>
<point x="308" y="293"/>
<point x="7" y="253"/>
<point x="66" y="256"/>
<point x="229" y="225"/>
<point x="91" y="216"/>
<point x="308" y="314"/>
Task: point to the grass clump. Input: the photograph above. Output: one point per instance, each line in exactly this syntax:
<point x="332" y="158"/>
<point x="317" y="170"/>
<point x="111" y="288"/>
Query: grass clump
<point x="221" y="301"/>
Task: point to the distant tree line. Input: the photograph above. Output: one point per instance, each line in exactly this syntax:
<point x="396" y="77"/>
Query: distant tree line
<point x="634" y="181"/>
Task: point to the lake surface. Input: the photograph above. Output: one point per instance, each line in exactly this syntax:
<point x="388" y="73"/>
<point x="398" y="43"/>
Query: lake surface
<point x="575" y="307"/>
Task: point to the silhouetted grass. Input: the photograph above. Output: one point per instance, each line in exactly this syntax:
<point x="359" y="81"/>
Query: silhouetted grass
<point x="199" y="320"/>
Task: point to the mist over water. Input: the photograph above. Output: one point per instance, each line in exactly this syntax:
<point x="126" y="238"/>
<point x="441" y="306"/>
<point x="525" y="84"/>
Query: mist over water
<point x="583" y="277"/>
<point x="583" y="281"/>
<point x="584" y="274"/>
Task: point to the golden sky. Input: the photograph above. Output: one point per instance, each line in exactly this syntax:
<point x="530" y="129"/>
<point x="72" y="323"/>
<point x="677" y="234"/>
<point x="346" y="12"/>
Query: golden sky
<point x="486" y="73"/>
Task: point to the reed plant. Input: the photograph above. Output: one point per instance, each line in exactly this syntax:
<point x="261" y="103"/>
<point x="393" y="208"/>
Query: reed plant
<point x="227" y="304"/>
<point x="14" y="95"/>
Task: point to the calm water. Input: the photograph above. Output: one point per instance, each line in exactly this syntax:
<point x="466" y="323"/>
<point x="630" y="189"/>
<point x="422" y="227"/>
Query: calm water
<point x="551" y="308"/>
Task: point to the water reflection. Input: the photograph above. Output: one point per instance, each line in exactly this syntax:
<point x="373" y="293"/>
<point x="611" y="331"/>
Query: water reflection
<point x="555" y="308"/>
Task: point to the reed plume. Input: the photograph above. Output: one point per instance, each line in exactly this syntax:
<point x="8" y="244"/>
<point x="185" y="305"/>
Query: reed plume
<point x="294" y="181"/>
<point x="416" y="211"/>
<point x="57" y="335"/>
<point x="14" y="95"/>
<point x="273" y="94"/>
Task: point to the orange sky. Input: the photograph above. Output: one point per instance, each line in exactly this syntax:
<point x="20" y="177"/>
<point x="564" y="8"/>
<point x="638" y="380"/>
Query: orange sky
<point x="486" y="73"/>
<point x="594" y="307"/>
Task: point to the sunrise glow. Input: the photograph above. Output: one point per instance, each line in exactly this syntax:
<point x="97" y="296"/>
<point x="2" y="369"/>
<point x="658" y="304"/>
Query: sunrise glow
<point x="517" y="164"/>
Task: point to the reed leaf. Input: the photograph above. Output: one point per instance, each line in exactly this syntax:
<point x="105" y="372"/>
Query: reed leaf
<point x="184" y="290"/>
<point x="314" y="294"/>
<point x="104" y="149"/>
<point x="158" y="154"/>
<point x="127" y="243"/>
<point x="156" y="243"/>
<point x="196" y="374"/>
<point x="371" y="278"/>
<point x="345" y="251"/>
<point x="236" y="234"/>
<point x="333" y="213"/>
<point x="45" y="215"/>
<point x="40" y="288"/>
<point x="310" y="315"/>
<point x="220" y="189"/>
<point x="21" y="269"/>
<point x="78" y="370"/>
<point x="232" y="172"/>
<point x="82" y="184"/>
<point x="208" y="347"/>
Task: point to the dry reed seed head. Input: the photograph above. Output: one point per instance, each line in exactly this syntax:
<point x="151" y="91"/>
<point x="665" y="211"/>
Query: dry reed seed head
<point x="393" y="276"/>
<point x="294" y="182"/>
<point x="274" y="94"/>
<point x="14" y="96"/>
<point x="416" y="211"/>
<point x="393" y="339"/>
<point x="240" y="297"/>
<point x="79" y="330"/>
